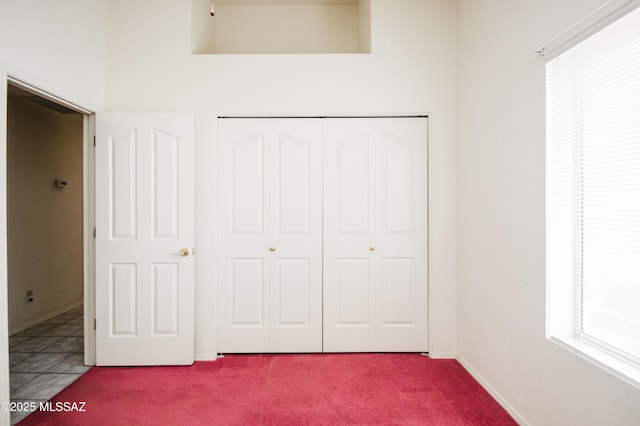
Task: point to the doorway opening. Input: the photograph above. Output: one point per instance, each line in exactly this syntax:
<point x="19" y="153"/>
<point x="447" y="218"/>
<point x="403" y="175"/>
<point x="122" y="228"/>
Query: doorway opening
<point x="47" y="212"/>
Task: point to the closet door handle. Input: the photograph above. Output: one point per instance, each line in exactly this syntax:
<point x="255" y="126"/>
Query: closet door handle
<point x="272" y="248"/>
<point x="372" y="248"/>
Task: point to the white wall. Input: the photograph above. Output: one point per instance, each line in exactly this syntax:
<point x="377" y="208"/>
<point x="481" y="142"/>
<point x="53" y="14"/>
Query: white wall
<point x="411" y="69"/>
<point x="57" y="45"/>
<point x="60" y="47"/>
<point x="45" y="222"/>
<point x="501" y="208"/>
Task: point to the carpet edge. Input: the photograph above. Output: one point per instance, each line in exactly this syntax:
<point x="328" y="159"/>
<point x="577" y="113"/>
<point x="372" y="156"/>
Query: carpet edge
<point x="519" y="418"/>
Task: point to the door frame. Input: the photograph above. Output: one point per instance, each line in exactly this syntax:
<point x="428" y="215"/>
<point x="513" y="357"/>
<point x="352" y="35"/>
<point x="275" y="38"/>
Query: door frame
<point x="88" y="213"/>
<point x="5" y="416"/>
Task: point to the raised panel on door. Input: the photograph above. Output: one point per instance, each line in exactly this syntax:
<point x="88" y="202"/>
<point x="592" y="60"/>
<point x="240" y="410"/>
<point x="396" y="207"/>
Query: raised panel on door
<point x="293" y="197"/>
<point x="247" y="162"/>
<point x="244" y="216"/>
<point x="245" y="320"/>
<point x="296" y="263"/>
<point x="354" y="171"/>
<point x="349" y="281"/>
<point x="122" y="189"/>
<point x="165" y="298"/>
<point x="354" y="293"/>
<point x="401" y="235"/>
<point x="292" y="292"/>
<point x="247" y="295"/>
<point x="144" y="217"/>
<point x="165" y="163"/>
<point x="397" y="292"/>
<point x="296" y="324"/>
<point x="123" y="294"/>
<point x="397" y="191"/>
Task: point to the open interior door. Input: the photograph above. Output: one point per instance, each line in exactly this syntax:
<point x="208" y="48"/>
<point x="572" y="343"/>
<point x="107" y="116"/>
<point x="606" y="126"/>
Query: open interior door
<point x="144" y="239"/>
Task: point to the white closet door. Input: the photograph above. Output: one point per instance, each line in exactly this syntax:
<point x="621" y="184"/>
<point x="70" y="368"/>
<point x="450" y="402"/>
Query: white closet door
<point x="244" y="235"/>
<point x="401" y="235"/>
<point x="270" y="297"/>
<point x="375" y="235"/>
<point x="349" y="231"/>
<point x="296" y="223"/>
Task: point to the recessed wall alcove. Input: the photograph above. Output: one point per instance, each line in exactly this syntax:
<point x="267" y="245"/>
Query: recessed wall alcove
<point x="281" y="26"/>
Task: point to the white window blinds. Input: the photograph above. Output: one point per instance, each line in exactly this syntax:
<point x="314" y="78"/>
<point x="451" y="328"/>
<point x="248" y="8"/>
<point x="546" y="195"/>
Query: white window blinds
<point x="593" y="197"/>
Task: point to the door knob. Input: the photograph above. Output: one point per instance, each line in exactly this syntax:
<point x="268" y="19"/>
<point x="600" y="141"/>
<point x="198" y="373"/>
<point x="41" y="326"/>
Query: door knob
<point x="184" y="252"/>
<point x="272" y="248"/>
<point x="372" y="248"/>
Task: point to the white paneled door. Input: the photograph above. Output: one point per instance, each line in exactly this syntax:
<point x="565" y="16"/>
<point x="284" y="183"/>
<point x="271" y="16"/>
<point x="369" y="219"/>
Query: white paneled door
<point x="144" y="239"/>
<point x="375" y="235"/>
<point x="270" y="261"/>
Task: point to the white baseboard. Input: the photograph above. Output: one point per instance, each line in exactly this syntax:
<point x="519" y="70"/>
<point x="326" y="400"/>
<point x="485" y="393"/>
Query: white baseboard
<point x="494" y="393"/>
<point x="43" y="318"/>
<point x="442" y="355"/>
<point x="206" y="357"/>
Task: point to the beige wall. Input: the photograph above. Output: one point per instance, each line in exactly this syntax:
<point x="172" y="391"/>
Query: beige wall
<point x="280" y="28"/>
<point x="44" y="222"/>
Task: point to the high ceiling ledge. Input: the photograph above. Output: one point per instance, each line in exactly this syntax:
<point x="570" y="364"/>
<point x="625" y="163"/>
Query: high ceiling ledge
<point x="280" y="26"/>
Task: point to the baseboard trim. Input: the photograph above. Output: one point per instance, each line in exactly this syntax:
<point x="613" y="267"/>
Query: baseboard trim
<point x="43" y="318"/>
<point x="519" y="418"/>
<point x="441" y="355"/>
<point x="206" y="357"/>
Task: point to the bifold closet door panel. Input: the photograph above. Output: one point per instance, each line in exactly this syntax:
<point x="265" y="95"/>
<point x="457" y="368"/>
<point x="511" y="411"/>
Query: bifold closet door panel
<point x="349" y="233"/>
<point x="401" y="237"/>
<point x="296" y="223"/>
<point x="375" y="235"/>
<point x="270" y="261"/>
<point x="244" y="197"/>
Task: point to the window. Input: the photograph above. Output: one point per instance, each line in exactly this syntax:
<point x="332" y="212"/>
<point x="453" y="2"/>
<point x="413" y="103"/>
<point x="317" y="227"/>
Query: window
<point x="593" y="198"/>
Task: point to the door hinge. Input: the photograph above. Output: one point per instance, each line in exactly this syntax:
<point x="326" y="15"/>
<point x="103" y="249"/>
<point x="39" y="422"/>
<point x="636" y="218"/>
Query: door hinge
<point x="94" y="141"/>
<point x="95" y="324"/>
<point x="94" y="233"/>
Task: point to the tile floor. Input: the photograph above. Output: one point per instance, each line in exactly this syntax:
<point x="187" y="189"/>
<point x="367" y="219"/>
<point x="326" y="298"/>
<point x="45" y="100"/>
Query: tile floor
<point x="46" y="358"/>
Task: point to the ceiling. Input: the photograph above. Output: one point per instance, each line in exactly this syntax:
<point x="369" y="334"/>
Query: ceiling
<point x="287" y="2"/>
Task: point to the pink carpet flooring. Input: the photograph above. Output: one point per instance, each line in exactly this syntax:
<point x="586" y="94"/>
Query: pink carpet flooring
<point x="322" y="389"/>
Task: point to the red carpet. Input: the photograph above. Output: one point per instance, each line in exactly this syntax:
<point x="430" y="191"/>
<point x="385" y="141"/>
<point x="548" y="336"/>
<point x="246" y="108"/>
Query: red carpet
<point x="336" y="389"/>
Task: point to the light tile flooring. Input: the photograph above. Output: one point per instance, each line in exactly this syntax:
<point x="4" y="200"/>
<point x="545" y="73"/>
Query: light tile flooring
<point x="46" y="358"/>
